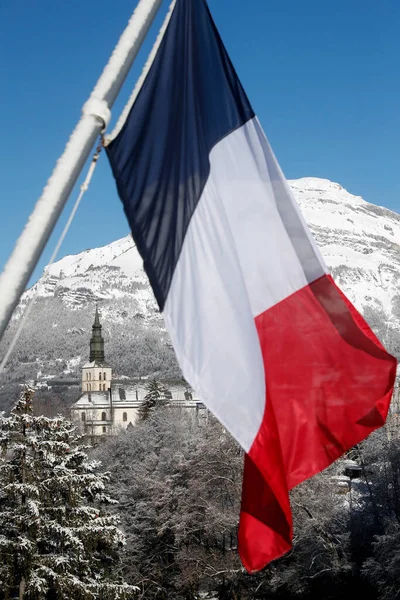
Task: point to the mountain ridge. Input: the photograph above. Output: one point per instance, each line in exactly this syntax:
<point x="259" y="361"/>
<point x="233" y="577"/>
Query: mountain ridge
<point x="359" y="241"/>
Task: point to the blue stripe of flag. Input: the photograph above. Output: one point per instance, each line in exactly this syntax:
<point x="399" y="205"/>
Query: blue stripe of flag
<point x="190" y="100"/>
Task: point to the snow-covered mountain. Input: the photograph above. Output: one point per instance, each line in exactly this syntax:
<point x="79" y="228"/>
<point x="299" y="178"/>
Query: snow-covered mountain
<point x="97" y="275"/>
<point x="359" y="241"/>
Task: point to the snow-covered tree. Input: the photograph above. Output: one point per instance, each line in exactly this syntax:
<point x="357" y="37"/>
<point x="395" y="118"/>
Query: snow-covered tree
<point x="178" y="479"/>
<point x="156" y="395"/>
<point x="57" y="541"/>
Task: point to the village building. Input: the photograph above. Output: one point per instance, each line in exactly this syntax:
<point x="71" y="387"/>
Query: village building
<point x="108" y="405"/>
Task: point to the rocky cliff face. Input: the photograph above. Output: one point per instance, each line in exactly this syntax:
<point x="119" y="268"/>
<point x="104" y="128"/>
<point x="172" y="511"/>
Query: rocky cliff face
<point x="360" y="242"/>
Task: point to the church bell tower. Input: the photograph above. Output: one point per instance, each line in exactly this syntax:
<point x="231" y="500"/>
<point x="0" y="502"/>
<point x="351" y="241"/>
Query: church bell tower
<point x="96" y="374"/>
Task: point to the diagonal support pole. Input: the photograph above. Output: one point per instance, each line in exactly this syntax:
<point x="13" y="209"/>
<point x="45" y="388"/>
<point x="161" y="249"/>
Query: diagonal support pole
<point x="95" y="117"/>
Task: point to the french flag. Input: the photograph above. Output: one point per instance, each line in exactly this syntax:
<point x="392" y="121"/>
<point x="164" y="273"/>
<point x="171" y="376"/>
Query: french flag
<point x="260" y="330"/>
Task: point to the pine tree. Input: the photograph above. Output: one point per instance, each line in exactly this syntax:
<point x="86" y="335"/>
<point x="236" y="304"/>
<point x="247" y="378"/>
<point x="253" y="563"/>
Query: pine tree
<point x="156" y="396"/>
<point x="57" y="541"/>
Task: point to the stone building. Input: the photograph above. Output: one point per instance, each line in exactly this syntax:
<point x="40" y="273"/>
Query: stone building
<point x="107" y="405"/>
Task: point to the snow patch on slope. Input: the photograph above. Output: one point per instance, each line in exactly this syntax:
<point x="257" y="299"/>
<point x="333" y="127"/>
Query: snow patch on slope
<point x="119" y="253"/>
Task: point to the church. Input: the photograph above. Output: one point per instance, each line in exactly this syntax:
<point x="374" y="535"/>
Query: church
<point x="108" y="405"/>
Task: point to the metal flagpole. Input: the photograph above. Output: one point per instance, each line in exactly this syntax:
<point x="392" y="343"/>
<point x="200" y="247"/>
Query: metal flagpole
<point x="95" y="117"/>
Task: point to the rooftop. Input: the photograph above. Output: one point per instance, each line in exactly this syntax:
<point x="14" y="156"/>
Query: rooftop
<point x="132" y="394"/>
<point x="102" y="400"/>
<point x="95" y="363"/>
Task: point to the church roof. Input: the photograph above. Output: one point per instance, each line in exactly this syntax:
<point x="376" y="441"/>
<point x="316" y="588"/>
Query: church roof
<point x="95" y="363"/>
<point x="101" y="400"/>
<point x="132" y="395"/>
<point x="92" y="399"/>
<point x="133" y="389"/>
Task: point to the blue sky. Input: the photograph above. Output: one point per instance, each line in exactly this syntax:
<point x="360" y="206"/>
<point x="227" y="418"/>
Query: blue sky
<point x="322" y="76"/>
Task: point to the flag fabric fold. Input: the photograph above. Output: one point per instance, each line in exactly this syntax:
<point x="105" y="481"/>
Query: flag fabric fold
<point x="260" y="330"/>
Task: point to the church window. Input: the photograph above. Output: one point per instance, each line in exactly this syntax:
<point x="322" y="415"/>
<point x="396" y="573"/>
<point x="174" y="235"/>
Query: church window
<point x="104" y="387"/>
<point x="104" y="376"/>
<point x="103" y="416"/>
<point x="124" y="416"/>
<point x="83" y="416"/>
<point x="100" y="375"/>
<point x="90" y="377"/>
<point x="90" y="387"/>
<point x="87" y="386"/>
<point x="87" y="376"/>
<point x="104" y="429"/>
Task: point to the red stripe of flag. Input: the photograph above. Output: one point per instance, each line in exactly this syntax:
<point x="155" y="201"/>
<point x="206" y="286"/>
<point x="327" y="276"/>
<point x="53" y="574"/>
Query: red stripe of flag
<point x="329" y="382"/>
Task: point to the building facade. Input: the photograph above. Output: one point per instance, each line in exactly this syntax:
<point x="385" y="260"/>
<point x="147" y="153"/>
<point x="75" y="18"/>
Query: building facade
<point x="109" y="405"/>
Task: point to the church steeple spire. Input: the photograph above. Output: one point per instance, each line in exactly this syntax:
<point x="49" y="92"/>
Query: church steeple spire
<point x="96" y="341"/>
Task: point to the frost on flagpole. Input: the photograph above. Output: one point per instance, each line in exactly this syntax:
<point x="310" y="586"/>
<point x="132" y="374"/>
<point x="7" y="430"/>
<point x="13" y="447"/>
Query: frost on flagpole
<point x="30" y="244"/>
<point x="116" y="70"/>
<point x="96" y="114"/>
